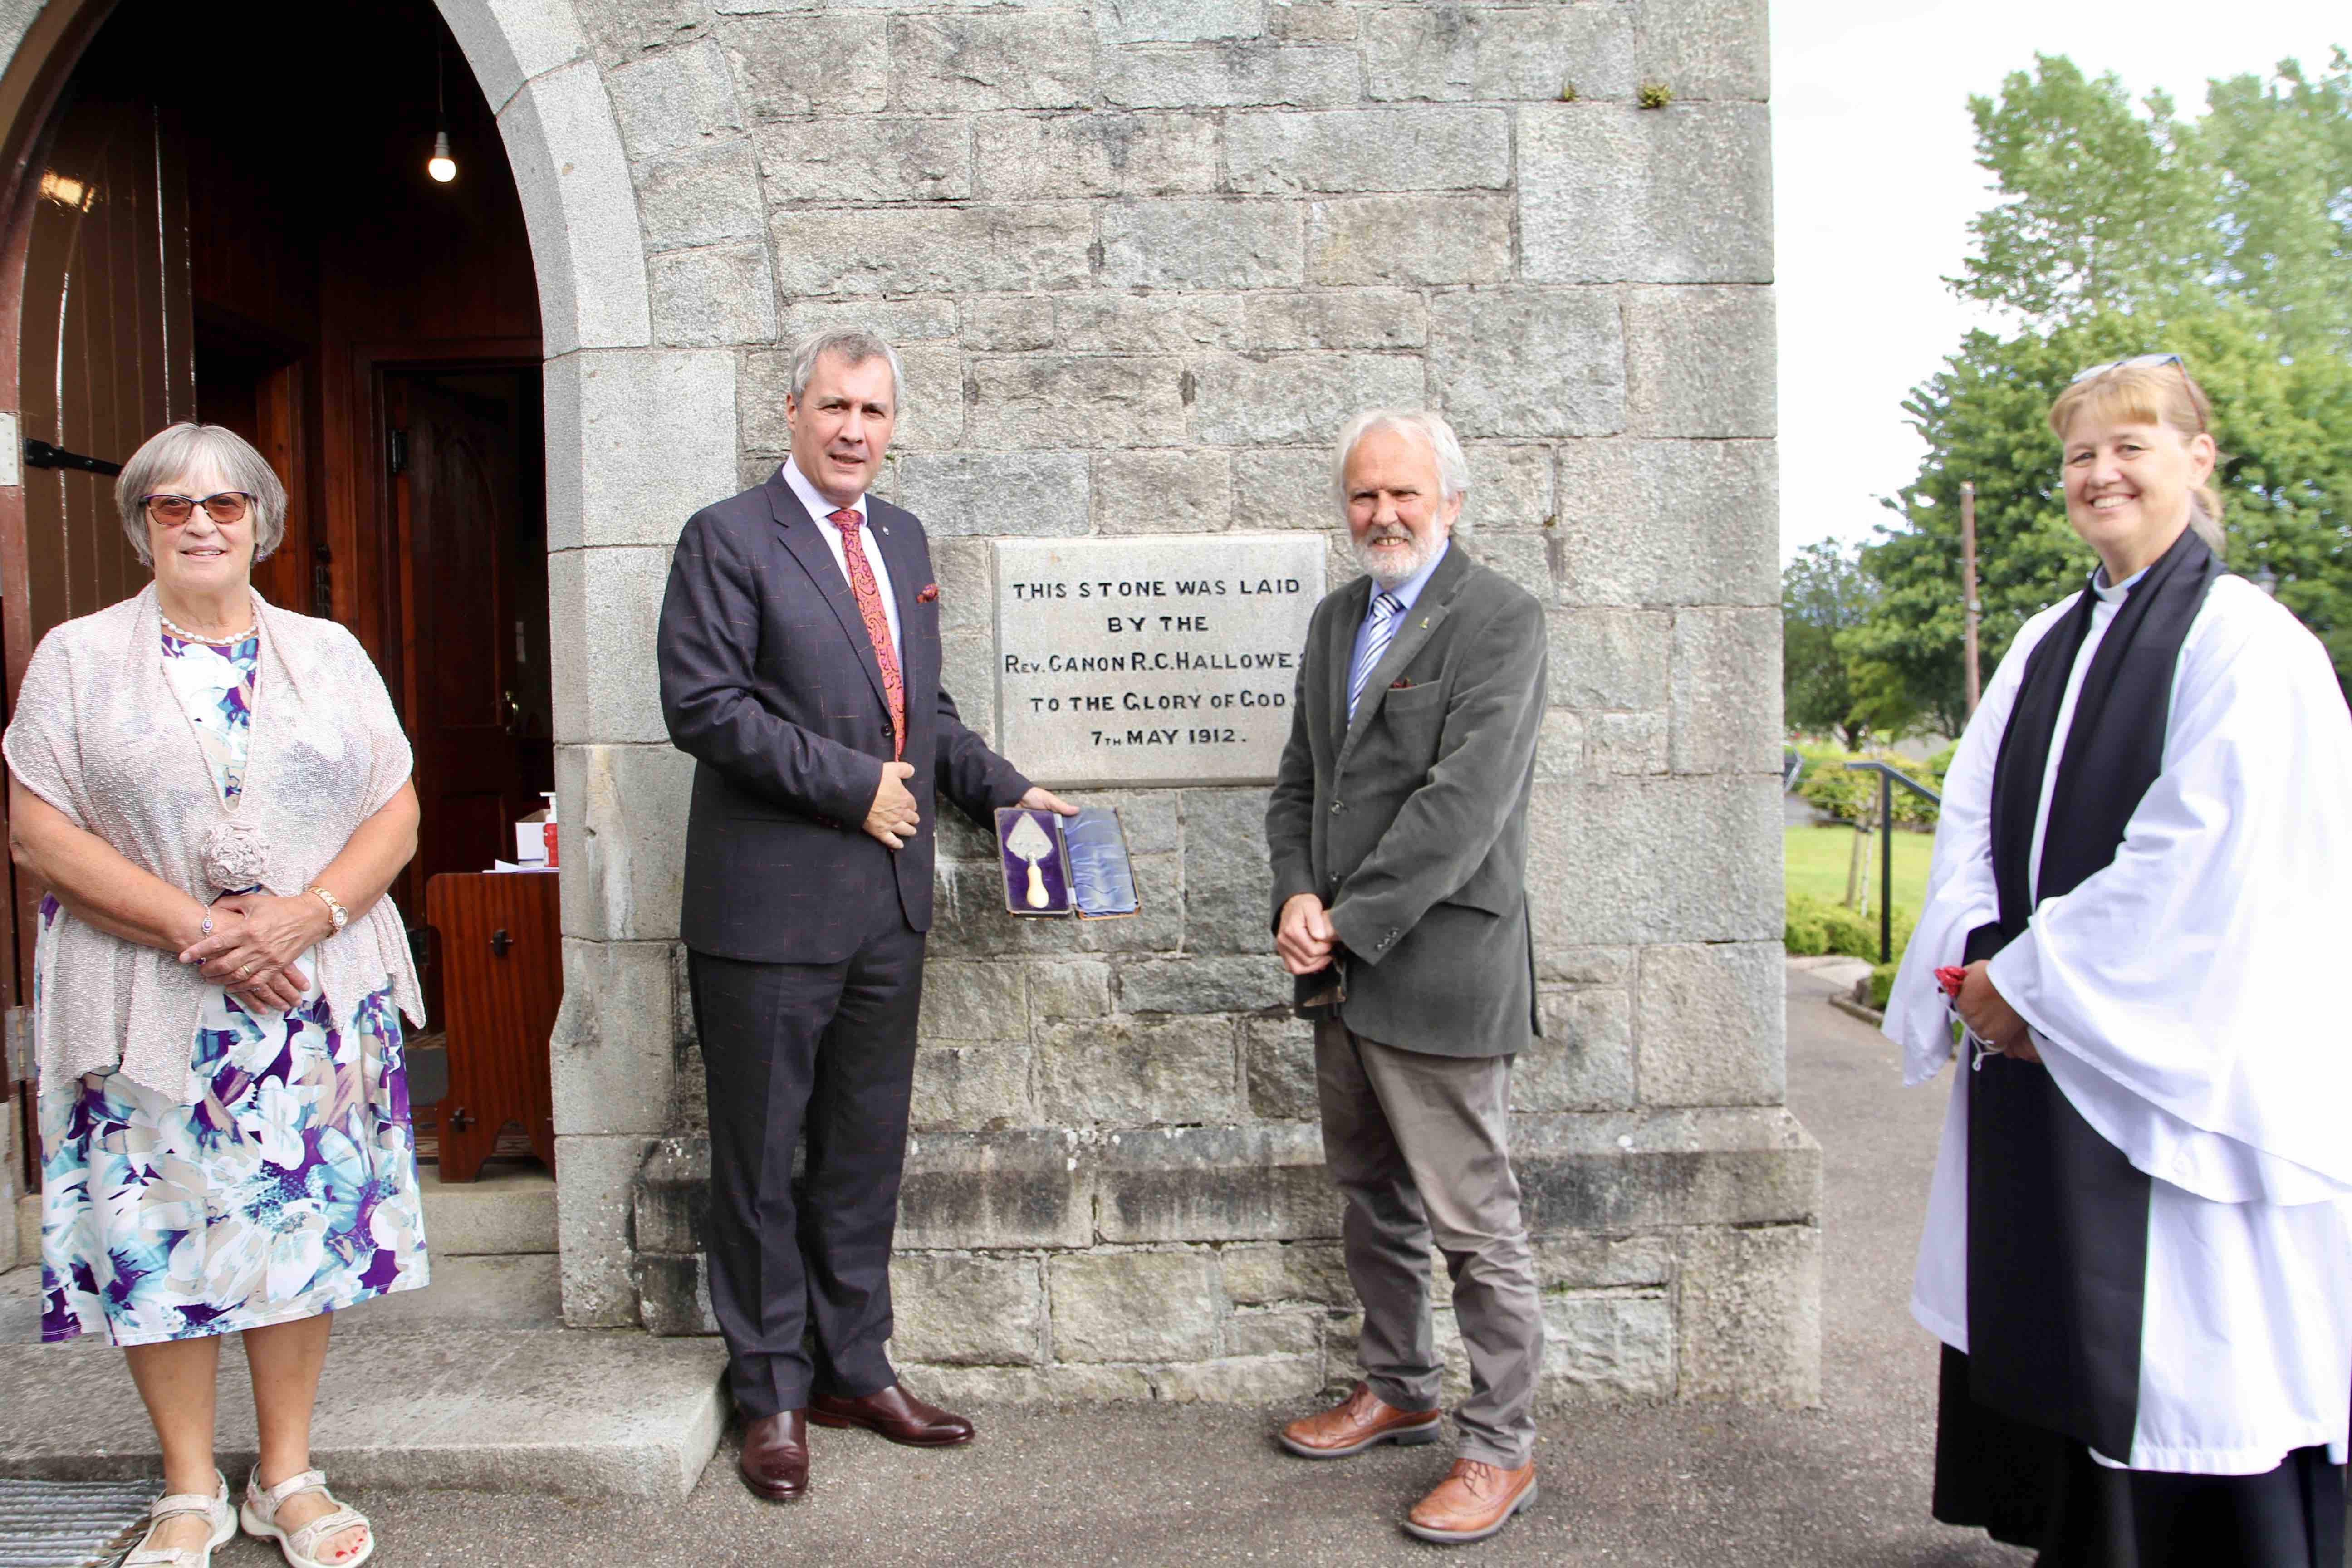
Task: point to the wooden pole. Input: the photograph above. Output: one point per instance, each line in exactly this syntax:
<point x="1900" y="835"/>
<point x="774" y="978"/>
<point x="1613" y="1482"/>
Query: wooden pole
<point x="1857" y="868"/>
<point x="1968" y="583"/>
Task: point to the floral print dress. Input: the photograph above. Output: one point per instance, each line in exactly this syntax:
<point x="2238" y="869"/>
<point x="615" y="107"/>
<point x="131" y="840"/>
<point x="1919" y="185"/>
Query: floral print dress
<point x="288" y="1189"/>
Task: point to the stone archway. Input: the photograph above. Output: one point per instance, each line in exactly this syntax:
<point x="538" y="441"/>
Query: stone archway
<point x="637" y="435"/>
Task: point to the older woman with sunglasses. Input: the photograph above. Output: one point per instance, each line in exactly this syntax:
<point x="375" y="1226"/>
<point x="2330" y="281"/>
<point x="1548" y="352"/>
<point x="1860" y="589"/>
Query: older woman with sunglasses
<point x="214" y="793"/>
<point x="2138" y="1251"/>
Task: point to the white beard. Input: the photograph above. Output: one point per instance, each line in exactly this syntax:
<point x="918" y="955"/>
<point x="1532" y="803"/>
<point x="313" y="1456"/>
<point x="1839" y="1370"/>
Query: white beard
<point x="1390" y="572"/>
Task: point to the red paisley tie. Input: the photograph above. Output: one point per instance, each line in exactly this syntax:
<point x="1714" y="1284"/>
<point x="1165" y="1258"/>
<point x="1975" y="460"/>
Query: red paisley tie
<point x="877" y="623"/>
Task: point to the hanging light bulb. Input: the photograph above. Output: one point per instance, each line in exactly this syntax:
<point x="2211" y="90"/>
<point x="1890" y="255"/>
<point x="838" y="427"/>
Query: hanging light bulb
<point x="441" y="165"/>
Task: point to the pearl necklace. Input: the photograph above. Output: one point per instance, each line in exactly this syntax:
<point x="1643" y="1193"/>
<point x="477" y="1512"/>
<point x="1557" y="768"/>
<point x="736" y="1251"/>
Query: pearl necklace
<point x="184" y="635"/>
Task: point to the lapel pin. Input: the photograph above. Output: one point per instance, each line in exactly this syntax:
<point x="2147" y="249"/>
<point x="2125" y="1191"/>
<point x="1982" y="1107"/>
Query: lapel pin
<point x="1424" y="622"/>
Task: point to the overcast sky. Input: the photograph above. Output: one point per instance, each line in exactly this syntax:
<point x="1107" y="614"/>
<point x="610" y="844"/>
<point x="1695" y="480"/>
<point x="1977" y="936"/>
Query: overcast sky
<point x="1875" y="179"/>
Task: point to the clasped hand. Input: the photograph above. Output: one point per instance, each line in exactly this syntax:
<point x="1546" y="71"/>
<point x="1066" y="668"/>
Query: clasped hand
<point x="255" y="939"/>
<point x="1305" y="939"/>
<point x="1989" y="1017"/>
<point x="892" y="818"/>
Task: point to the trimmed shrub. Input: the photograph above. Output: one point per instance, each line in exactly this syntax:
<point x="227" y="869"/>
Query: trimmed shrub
<point x="1882" y="982"/>
<point x="1806" y="934"/>
<point x="1809" y="926"/>
<point x="1829" y="786"/>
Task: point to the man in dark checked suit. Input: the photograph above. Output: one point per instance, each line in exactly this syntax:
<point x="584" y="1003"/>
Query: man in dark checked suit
<point x="800" y="668"/>
<point x="1398" y="827"/>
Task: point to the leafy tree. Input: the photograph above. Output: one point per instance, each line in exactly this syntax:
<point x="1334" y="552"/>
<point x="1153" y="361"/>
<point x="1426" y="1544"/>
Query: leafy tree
<point x="2104" y="209"/>
<point x="2228" y="241"/>
<point x="2281" y="154"/>
<point x="2285" y="478"/>
<point x="1824" y="592"/>
<point x="2101" y="210"/>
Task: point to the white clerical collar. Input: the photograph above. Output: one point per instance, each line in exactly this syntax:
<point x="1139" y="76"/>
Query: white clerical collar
<point x="818" y="507"/>
<point x="2111" y="593"/>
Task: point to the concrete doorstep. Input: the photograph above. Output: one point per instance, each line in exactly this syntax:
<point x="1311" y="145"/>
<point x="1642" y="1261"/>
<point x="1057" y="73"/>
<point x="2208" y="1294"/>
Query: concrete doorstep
<point x="574" y="1413"/>
<point x="470" y="1383"/>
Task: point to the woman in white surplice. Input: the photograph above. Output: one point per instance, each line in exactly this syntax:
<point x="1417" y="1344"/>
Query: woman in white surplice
<point x="2139" y="1249"/>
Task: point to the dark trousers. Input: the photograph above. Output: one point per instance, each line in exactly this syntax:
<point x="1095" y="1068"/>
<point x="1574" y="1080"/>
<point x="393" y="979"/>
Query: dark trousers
<point x="824" y="1052"/>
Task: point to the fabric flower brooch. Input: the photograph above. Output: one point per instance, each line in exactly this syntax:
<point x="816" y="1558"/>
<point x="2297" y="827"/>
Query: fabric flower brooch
<point x="235" y="856"/>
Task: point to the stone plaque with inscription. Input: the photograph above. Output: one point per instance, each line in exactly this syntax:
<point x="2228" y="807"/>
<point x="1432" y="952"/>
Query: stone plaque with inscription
<point x="1151" y="661"/>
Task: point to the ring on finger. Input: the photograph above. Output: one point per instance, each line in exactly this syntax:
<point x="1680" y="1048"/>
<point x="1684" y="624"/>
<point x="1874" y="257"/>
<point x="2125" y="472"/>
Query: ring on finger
<point x="245" y="971"/>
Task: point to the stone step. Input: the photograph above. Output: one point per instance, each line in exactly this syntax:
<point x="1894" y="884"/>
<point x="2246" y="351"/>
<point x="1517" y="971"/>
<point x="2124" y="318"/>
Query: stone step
<point x="413" y="1398"/>
<point x="508" y="1209"/>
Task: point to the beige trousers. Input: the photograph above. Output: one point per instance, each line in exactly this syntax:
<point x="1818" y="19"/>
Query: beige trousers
<point x="1419" y="1145"/>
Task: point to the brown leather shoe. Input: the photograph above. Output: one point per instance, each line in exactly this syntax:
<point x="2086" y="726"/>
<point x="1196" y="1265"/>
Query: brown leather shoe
<point x="895" y="1415"/>
<point x="775" y="1459"/>
<point x="1472" y="1502"/>
<point x="1355" y="1425"/>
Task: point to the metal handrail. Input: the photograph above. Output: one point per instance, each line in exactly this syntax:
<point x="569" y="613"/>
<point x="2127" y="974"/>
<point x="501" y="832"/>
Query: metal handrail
<point x="1888" y="777"/>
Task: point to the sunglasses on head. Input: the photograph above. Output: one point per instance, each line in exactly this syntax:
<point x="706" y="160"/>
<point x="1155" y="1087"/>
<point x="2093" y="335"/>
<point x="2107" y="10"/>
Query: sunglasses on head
<point x="2136" y="362"/>
<point x="171" y="510"/>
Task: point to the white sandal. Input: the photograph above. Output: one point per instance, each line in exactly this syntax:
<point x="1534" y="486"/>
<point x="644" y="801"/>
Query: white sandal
<point x="260" y="1517"/>
<point x="215" y="1508"/>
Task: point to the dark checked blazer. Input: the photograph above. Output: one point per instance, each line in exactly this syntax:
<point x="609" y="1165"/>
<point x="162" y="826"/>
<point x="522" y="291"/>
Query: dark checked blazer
<point x="770" y="682"/>
<point x="1410" y="823"/>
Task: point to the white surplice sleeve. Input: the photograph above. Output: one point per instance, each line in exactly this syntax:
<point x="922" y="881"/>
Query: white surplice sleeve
<point x="1960" y="894"/>
<point x="2185" y="996"/>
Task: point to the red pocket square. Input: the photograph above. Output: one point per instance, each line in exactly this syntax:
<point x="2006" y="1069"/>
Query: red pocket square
<point x="929" y="595"/>
<point x="1400" y="684"/>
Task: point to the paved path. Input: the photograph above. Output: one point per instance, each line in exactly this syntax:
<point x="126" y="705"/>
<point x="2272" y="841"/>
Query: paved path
<point x="1796" y="811"/>
<point x="1700" y="1485"/>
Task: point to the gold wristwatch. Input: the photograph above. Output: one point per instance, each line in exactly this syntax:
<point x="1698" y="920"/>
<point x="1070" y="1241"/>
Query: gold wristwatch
<point x="335" y="910"/>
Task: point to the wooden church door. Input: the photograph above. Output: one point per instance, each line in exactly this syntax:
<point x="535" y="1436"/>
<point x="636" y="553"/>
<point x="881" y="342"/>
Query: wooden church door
<point x="106" y="358"/>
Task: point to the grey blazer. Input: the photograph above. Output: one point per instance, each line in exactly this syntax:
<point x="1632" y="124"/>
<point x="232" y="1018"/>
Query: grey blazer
<point x="1412" y="822"/>
<point x="770" y="682"/>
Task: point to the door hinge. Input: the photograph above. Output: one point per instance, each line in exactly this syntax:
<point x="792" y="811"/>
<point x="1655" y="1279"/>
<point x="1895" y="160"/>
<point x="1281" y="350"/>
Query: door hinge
<point x="39" y="454"/>
<point x="398" y="454"/>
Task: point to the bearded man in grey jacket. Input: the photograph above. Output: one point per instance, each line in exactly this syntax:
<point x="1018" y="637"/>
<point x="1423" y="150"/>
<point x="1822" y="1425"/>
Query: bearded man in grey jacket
<point x="1398" y="829"/>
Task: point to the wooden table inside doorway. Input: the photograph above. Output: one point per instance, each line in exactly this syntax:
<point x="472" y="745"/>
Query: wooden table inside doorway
<point x="502" y="980"/>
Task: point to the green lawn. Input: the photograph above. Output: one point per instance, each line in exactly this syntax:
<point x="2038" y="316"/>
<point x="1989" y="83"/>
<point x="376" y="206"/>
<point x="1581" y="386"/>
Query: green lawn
<point x="1817" y="857"/>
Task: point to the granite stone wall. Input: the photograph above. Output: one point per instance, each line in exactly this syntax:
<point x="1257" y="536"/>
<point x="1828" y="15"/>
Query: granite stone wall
<point x="1142" y="258"/>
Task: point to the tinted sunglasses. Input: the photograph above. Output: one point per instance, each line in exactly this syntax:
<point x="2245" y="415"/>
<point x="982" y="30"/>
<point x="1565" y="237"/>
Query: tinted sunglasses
<point x="172" y="510"/>
<point x="2136" y="362"/>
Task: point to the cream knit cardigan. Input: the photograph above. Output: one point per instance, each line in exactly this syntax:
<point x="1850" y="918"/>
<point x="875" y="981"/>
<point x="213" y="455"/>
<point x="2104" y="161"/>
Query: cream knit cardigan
<point x="99" y="734"/>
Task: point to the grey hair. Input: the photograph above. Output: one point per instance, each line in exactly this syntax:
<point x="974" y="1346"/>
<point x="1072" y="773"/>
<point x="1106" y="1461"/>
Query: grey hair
<point x="855" y="344"/>
<point x="1453" y="466"/>
<point x="181" y="449"/>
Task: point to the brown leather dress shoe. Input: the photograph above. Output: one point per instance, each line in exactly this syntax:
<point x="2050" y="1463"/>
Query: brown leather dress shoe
<point x="1473" y="1501"/>
<point x="895" y="1415"/>
<point x="1355" y="1425"/>
<point x="775" y="1459"/>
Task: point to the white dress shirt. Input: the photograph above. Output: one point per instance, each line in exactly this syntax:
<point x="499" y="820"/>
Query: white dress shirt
<point x="821" y="509"/>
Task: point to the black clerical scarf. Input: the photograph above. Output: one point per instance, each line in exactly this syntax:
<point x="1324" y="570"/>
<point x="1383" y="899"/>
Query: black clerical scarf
<point x="2115" y="748"/>
<point x="2057" y="1217"/>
